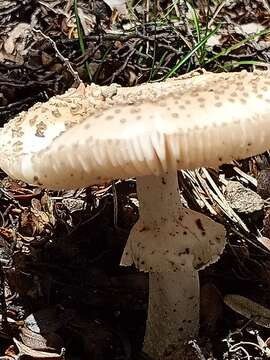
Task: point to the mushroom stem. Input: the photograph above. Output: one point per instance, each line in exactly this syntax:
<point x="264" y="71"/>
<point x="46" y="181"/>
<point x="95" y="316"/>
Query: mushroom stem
<point x="171" y="243"/>
<point x="173" y="306"/>
<point x="173" y="311"/>
<point x="160" y="192"/>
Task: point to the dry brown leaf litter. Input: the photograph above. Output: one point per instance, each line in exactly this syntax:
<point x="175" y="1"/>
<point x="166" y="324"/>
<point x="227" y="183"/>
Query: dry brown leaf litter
<point x="27" y="227"/>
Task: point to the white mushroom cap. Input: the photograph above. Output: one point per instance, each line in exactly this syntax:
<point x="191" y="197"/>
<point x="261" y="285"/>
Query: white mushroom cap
<point x="31" y="131"/>
<point x="119" y="5"/>
<point x="34" y="130"/>
<point x="208" y="120"/>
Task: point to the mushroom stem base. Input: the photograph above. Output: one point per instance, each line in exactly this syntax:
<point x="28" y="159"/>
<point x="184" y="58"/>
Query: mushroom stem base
<point x="173" y="312"/>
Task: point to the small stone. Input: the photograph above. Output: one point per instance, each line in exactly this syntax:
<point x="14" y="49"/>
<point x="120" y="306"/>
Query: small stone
<point x="74" y="205"/>
<point x="242" y="199"/>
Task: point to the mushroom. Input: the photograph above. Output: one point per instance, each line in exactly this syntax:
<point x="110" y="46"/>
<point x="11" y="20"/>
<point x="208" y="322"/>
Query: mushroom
<point x="118" y="6"/>
<point x="206" y="120"/>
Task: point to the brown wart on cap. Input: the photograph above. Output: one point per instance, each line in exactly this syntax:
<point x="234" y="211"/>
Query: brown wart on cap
<point x="205" y="121"/>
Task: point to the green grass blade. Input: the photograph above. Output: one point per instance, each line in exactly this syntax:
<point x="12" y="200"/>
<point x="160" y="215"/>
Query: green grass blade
<point x="81" y="36"/>
<point x="185" y="58"/>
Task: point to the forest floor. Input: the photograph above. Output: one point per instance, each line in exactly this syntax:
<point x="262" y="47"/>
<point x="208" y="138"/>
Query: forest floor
<point x="60" y="251"/>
